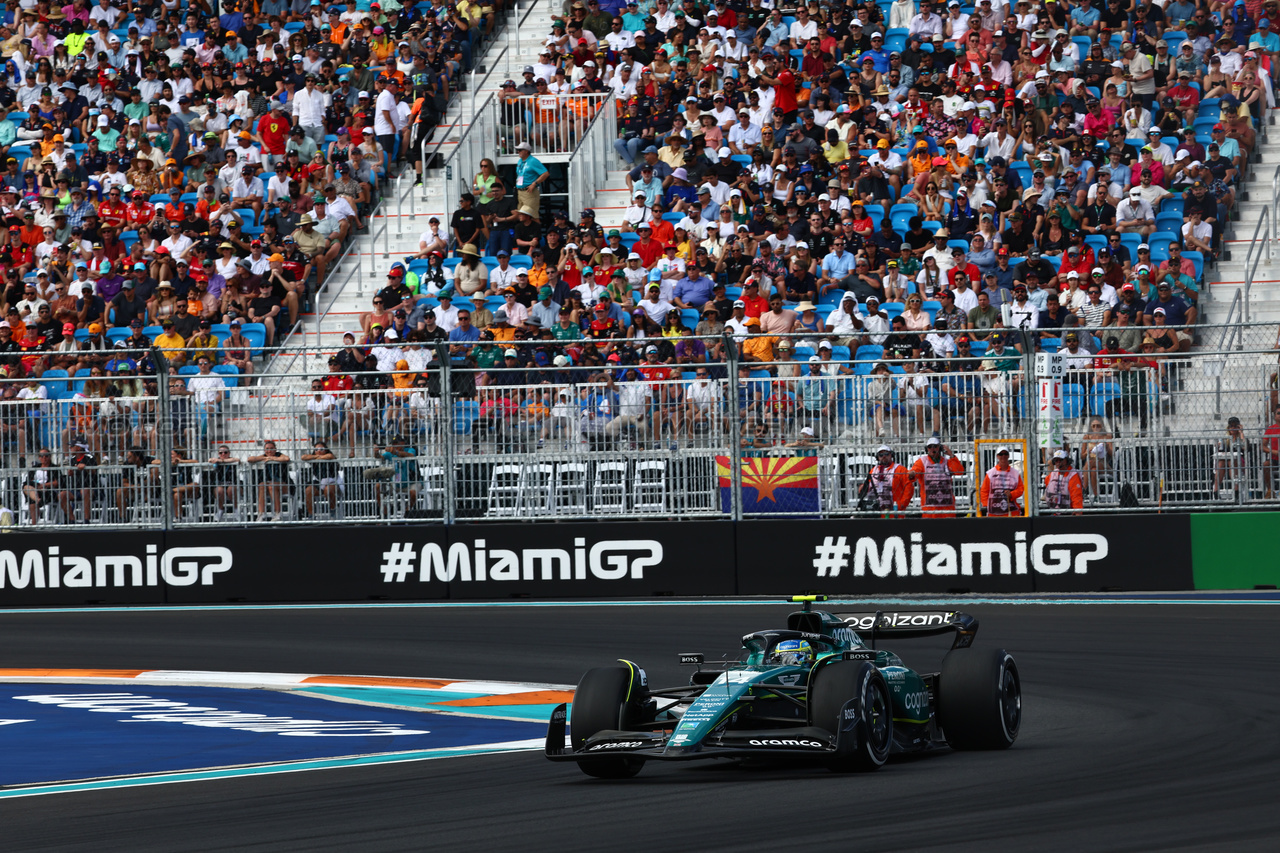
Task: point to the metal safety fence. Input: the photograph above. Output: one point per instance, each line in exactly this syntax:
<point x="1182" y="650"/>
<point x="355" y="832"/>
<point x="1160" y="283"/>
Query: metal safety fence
<point x="551" y="124"/>
<point x="631" y="428"/>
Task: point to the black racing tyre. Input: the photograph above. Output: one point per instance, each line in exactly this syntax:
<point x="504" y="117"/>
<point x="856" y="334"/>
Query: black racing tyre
<point x="608" y="698"/>
<point x="867" y="746"/>
<point x="979" y="699"/>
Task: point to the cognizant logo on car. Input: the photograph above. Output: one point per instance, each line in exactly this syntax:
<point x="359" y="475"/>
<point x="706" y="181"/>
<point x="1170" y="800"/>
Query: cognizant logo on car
<point x="608" y="560"/>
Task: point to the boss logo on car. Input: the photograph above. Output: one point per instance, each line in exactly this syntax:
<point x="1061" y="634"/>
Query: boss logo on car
<point x="851" y="713"/>
<point x="787" y="742"/>
<point x="622" y="744"/>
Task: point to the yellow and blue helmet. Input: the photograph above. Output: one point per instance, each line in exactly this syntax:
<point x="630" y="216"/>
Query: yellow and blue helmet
<point x="791" y="653"/>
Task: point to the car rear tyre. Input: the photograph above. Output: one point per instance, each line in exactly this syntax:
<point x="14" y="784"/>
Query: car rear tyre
<point x="608" y="698"/>
<point x="979" y="699"/>
<point x="866" y="745"/>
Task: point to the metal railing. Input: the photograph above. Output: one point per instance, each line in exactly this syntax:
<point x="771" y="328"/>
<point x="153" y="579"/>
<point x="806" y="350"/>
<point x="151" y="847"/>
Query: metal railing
<point x="352" y="250"/>
<point x="551" y="124"/>
<point x="490" y="64"/>
<point x="589" y="166"/>
<point x="374" y="232"/>
<point x="1259" y="250"/>
<point x="478" y="141"/>
<point x="450" y="433"/>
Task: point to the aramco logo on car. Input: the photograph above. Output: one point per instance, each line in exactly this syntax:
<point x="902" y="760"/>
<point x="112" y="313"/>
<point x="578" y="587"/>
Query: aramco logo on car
<point x="912" y="556"/>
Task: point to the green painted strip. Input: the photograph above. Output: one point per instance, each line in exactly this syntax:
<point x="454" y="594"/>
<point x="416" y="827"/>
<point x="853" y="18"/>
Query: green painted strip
<point x="1235" y="550"/>
<point x="263" y="770"/>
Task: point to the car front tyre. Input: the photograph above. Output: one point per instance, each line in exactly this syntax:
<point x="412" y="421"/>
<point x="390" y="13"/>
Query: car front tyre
<point x="608" y="698"/>
<point x="866" y="746"/>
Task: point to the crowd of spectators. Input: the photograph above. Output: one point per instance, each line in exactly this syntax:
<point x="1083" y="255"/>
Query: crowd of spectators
<point x="169" y="168"/>
<point x="907" y="176"/>
<point x="179" y="177"/>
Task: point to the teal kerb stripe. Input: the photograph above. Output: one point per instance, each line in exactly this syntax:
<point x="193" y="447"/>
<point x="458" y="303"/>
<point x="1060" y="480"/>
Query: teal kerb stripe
<point x="904" y="601"/>
<point x="240" y="772"/>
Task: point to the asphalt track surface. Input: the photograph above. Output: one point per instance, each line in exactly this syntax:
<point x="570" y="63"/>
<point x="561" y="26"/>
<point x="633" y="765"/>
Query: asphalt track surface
<point x="1146" y="728"/>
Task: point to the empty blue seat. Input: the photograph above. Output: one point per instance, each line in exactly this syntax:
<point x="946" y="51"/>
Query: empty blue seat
<point x="1072" y="400"/>
<point x="465" y="414"/>
<point x="229" y="372"/>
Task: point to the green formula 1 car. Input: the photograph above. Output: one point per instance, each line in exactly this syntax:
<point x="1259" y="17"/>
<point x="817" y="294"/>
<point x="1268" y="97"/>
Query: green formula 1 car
<point x="816" y="690"/>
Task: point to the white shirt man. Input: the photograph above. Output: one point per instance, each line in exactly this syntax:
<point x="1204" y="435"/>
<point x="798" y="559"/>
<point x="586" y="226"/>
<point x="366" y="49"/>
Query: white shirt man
<point x="207" y="389"/>
<point x="620" y="40"/>
<point x="702" y="394"/>
<point x="384" y="107"/>
<point x="926" y="25"/>
<point x="744" y="134"/>
<point x="623" y="83"/>
<point x="802" y="31"/>
<point x="178" y="244"/>
<point x="339" y="208"/>
<point x="997" y="143"/>
<point x="719" y="189"/>
<point x="1134" y="208"/>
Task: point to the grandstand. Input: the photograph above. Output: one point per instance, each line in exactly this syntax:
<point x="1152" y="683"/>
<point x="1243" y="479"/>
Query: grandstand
<point x="481" y="453"/>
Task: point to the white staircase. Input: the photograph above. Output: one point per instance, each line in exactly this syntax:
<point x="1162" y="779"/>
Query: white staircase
<point x="1222" y="281"/>
<point x="405" y="222"/>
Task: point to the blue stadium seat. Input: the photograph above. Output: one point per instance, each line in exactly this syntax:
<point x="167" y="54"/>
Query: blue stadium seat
<point x="57" y="383"/>
<point x="870" y="352"/>
<point x="1072" y="400"/>
<point x="229" y="372"/>
<point x="1103" y="393"/>
<point x="465" y="414"/>
<point x="257" y="335"/>
<point x="1196" y="258"/>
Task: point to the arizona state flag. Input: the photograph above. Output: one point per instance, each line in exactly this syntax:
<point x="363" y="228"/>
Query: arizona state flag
<point x="772" y="484"/>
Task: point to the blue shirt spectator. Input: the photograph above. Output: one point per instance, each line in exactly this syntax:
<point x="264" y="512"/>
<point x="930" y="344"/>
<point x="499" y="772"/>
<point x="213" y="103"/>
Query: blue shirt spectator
<point x="837" y="265"/>
<point x="694" y="290"/>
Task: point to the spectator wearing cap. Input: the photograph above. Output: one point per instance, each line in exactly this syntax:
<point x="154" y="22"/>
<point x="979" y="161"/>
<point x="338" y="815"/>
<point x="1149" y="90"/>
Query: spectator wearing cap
<point x="530" y="175"/>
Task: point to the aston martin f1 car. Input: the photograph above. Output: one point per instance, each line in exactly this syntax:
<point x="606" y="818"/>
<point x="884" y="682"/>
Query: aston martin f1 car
<point x="818" y="690"/>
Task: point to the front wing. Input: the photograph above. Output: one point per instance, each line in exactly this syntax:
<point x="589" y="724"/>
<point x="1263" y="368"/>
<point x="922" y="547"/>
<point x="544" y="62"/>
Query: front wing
<point x="808" y="742"/>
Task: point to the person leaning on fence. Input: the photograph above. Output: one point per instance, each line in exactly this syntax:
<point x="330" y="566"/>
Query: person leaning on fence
<point x="1233" y="461"/>
<point x="324" y="477"/>
<point x="273" y="479"/>
<point x="1063" y="487"/>
<point x="42" y="486"/>
<point x="1001" y="488"/>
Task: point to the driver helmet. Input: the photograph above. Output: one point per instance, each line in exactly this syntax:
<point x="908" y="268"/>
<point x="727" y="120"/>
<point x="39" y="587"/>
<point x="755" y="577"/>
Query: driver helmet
<point x="791" y="653"/>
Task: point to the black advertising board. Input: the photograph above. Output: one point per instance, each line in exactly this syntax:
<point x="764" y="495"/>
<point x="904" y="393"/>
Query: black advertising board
<point x="614" y="560"/>
<point x="878" y="556"/>
<point x="1015" y="555"/>
<point x="1126" y="552"/>
<point x="306" y="564"/>
<point x="39" y="569"/>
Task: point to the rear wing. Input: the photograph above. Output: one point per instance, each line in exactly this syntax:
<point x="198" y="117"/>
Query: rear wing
<point x="904" y="624"/>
